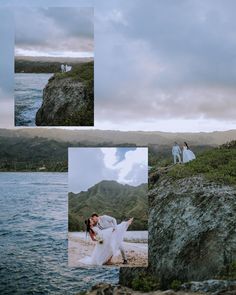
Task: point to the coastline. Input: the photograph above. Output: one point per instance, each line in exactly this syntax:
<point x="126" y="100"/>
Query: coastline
<point x="79" y="246"/>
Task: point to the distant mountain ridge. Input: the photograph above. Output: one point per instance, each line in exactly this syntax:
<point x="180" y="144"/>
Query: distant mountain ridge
<point x="42" y="64"/>
<point x="110" y="198"/>
<point x="31" y="149"/>
<point x="131" y="137"/>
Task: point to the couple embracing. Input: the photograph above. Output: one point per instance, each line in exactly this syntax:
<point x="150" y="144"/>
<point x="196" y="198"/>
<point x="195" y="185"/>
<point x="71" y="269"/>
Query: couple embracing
<point x="108" y="236"/>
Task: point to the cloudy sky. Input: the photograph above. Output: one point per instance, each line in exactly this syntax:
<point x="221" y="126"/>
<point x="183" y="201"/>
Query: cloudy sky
<point x="159" y="64"/>
<point x="88" y="166"/>
<point x="54" y="31"/>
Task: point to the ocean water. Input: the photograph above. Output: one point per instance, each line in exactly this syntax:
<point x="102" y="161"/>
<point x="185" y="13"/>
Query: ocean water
<point x="33" y="238"/>
<point x="28" y="97"/>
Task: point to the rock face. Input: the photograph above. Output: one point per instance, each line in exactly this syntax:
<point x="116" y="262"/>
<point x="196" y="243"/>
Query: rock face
<point x="107" y="289"/>
<point x="66" y="102"/>
<point x="192" y="229"/>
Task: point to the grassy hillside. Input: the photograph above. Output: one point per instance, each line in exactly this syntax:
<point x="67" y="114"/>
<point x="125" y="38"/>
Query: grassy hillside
<point x="110" y="198"/>
<point x="19" y="153"/>
<point x="218" y="164"/>
<point x="27" y="66"/>
<point x="162" y="155"/>
<point x="44" y="66"/>
<point x="139" y="138"/>
<point x="82" y="72"/>
<point x="25" y="154"/>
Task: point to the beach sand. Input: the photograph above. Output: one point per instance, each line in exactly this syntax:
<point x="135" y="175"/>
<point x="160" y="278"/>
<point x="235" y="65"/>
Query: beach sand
<point x="79" y="246"/>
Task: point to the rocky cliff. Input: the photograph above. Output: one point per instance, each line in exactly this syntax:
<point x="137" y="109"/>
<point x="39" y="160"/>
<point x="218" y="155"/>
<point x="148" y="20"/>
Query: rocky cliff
<point x="192" y="229"/>
<point x="192" y="223"/>
<point x="66" y="102"/>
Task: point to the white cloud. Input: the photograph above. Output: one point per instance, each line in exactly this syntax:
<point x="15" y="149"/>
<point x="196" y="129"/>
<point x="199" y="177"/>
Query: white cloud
<point x="109" y="157"/>
<point x="159" y="65"/>
<point x="132" y="169"/>
<point x="88" y="166"/>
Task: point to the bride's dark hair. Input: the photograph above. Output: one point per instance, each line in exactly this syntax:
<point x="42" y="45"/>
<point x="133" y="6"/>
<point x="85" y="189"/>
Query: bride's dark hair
<point x="88" y="226"/>
<point x="186" y="145"/>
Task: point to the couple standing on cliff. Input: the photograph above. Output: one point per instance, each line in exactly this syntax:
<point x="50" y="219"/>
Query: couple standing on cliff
<point x="186" y="153"/>
<point x="65" y="68"/>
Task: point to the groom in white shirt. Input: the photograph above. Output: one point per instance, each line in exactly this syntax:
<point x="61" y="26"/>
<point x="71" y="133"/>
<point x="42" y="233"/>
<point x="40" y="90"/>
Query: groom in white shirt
<point x="104" y="222"/>
<point x="176" y="152"/>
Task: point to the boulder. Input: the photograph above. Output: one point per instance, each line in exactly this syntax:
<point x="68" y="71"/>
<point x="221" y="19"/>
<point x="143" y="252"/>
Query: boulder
<point x="192" y="230"/>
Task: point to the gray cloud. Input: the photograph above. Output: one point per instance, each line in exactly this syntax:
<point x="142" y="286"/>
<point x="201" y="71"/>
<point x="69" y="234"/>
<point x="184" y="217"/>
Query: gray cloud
<point x="155" y="61"/>
<point x="168" y="60"/>
<point x="54" y="28"/>
<point x="7" y="51"/>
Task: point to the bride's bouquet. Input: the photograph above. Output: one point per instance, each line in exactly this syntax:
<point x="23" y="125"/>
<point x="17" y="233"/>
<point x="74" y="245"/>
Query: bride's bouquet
<point x="99" y="239"/>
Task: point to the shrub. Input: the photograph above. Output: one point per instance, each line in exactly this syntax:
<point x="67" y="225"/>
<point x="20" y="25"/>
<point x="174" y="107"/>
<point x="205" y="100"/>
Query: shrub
<point x="145" y="283"/>
<point x="217" y="165"/>
<point x="175" y="285"/>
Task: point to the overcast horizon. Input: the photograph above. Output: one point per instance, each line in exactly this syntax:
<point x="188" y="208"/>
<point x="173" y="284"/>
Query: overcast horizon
<point x="159" y="65"/>
<point x="54" y="32"/>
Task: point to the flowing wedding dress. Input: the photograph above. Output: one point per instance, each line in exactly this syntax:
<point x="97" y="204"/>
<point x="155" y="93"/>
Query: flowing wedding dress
<point x="112" y="241"/>
<point x="188" y="155"/>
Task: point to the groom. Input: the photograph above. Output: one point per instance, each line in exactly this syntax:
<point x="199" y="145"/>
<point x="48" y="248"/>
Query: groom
<point x="104" y="222"/>
<point x="176" y="153"/>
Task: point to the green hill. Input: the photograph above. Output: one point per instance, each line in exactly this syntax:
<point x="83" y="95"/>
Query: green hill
<point x="24" y="65"/>
<point x="161" y="155"/>
<point x="218" y="165"/>
<point x="31" y="154"/>
<point x="21" y="153"/>
<point x="110" y="198"/>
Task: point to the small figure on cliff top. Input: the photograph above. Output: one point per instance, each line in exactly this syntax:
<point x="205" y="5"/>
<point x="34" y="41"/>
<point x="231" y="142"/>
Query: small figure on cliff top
<point x="68" y="68"/>
<point x="188" y="155"/>
<point x="176" y="153"/>
<point x="63" y="68"/>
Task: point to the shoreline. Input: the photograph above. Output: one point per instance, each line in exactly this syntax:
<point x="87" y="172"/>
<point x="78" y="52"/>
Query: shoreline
<point x="79" y="247"/>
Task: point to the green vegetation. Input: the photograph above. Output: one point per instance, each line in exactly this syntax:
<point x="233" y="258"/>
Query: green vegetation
<point x="145" y="283"/>
<point x="29" y="66"/>
<point x="218" y="165"/>
<point x="110" y="198"/>
<point x="32" y="154"/>
<point x="19" y="153"/>
<point x="161" y="156"/>
<point x="229" y="272"/>
<point x="175" y="285"/>
<point x="82" y="72"/>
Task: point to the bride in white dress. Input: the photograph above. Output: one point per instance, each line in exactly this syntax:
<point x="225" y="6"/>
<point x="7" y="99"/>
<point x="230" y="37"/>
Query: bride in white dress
<point x="108" y="242"/>
<point x="188" y="155"/>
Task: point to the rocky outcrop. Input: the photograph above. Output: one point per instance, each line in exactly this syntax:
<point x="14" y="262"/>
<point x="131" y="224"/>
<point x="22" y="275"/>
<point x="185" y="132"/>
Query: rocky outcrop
<point x="192" y="234"/>
<point x="212" y="286"/>
<point x="192" y="229"/>
<point x="107" y="289"/>
<point x="66" y="102"/>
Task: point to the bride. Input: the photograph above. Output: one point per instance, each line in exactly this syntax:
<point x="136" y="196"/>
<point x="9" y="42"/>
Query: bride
<point x="108" y="242"/>
<point x="188" y="155"/>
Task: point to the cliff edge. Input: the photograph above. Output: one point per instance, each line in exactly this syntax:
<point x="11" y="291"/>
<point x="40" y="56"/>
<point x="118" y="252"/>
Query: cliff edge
<point x="68" y="99"/>
<point x="192" y="224"/>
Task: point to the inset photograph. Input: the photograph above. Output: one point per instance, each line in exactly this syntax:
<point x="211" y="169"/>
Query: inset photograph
<point x="54" y="66"/>
<point x="108" y="207"/>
